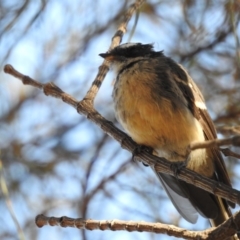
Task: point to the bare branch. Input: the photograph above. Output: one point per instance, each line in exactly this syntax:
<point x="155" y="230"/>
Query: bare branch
<point x="116" y="40"/>
<point x="228" y="153"/>
<point x="234" y="141"/>
<point x="6" y="197"/>
<point x="161" y="165"/>
<point x="229" y="129"/>
<point x="221" y="36"/>
<point x="227" y="229"/>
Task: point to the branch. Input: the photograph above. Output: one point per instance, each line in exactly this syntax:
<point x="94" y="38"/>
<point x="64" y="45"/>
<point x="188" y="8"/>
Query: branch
<point x="234" y="141"/>
<point x="229" y="153"/>
<point x="229" y="129"/>
<point x="219" y="38"/>
<point x="116" y="40"/>
<point x="160" y="164"/>
<point x="223" y="231"/>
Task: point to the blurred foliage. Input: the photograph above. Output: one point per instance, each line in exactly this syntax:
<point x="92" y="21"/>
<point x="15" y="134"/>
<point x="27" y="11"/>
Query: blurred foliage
<point x="57" y="162"/>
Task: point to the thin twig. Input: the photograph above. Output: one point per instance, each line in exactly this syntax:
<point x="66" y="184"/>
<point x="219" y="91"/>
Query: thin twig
<point x="219" y="38"/>
<point x="6" y="197"/>
<point x="229" y="129"/>
<point x="228" y="153"/>
<point x="227" y="229"/>
<point x="234" y="141"/>
<point x="116" y="40"/>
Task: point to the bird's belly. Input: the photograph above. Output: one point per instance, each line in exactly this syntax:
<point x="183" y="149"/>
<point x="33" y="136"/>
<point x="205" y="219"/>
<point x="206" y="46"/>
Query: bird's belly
<point x="153" y="122"/>
<point x="158" y="124"/>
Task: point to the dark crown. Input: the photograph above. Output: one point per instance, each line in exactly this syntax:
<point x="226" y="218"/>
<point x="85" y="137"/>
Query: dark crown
<point x="132" y="50"/>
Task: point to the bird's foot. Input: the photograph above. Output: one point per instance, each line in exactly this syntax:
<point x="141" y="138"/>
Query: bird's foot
<point x="139" y="149"/>
<point x="176" y="167"/>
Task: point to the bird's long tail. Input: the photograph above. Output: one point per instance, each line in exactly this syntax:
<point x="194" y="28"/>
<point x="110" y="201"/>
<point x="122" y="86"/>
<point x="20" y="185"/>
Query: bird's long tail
<point x="224" y="214"/>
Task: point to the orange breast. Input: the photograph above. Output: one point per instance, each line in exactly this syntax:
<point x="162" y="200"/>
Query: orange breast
<point x="153" y="122"/>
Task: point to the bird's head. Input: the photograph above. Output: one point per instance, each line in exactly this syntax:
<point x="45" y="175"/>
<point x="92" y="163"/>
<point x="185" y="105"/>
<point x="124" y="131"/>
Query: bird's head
<point x="124" y="54"/>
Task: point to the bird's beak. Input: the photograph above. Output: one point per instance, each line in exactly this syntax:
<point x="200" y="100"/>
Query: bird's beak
<point x="103" y="55"/>
<point x="107" y="56"/>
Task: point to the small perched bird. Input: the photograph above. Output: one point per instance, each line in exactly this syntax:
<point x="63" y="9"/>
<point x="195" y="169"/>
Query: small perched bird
<point x="160" y="106"/>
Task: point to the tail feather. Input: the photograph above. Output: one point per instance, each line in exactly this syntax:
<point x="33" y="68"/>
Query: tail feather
<point x="188" y="200"/>
<point x="223" y="215"/>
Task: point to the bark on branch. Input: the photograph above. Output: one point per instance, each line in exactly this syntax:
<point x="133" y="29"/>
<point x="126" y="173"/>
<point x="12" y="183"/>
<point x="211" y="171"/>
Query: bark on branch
<point x="223" y="231"/>
<point x="86" y="108"/>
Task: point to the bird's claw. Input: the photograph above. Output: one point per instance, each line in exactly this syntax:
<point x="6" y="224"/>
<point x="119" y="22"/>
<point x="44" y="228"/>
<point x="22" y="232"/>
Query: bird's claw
<point x="176" y="167"/>
<point x="139" y="149"/>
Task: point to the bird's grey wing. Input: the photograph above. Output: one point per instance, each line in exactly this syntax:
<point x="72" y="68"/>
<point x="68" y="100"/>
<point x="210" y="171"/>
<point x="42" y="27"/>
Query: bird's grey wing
<point x="210" y="133"/>
<point x="178" y="198"/>
<point x="188" y="199"/>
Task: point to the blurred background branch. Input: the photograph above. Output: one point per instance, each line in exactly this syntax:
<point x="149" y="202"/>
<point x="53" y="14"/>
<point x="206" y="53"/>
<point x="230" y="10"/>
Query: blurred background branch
<point x="58" y="163"/>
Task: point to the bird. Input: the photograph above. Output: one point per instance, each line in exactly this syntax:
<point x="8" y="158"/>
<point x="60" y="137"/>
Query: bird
<point x="160" y="106"/>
